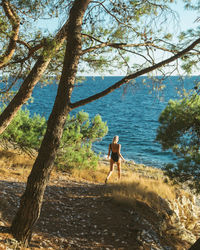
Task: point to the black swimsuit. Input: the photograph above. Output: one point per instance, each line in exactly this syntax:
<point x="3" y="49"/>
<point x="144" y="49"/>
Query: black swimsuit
<point x="114" y="155"/>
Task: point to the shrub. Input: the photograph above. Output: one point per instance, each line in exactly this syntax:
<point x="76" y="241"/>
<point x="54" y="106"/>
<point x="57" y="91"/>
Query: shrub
<point x="75" y="149"/>
<point x="179" y="130"/>
<point x="24" y="131"/>
<point x="76" y="145"/>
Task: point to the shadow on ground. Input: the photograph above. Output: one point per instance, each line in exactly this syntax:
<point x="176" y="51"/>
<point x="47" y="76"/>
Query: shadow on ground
<point x="74" y="215"/>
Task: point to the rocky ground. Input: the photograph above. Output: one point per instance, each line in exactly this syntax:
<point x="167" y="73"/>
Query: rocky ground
<point x="82" y="215"/>
<point x="75" y="215"/>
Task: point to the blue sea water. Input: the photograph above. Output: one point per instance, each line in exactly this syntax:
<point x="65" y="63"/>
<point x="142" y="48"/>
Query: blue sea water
<point x="131" y="112"/>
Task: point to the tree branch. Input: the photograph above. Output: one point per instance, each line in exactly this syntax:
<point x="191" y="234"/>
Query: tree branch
<point x="6" y="90"/>
<point x="126" y="79"/>
<point x="32" y="50"/>
<point x="24" y="43"/>
<point x="116" y="19"/>
<point x="14" y="20"/>
<point x="121" y="45"/>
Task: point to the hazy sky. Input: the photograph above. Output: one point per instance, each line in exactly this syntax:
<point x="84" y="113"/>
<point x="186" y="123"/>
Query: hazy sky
<point x="187" y="20"/>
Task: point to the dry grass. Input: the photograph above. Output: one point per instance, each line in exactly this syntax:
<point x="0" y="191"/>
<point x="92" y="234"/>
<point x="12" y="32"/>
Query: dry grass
<point x="89" y="175"/>
<point x="143" y="189"/>
<point x="136" y="183"/>
<point x="139" y="183"/>
<point x="11" y="158"/>
<point x="96" y="176"/>
<point x="14" y="163"/>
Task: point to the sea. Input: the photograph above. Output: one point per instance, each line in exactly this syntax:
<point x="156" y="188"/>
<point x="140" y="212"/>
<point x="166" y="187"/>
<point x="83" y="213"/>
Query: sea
<point x="131" y="112"/>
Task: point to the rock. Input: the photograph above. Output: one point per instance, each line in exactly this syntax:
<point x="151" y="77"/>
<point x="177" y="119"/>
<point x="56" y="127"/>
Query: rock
<point x="181" y="217"/>
<point x="149" y="238"/>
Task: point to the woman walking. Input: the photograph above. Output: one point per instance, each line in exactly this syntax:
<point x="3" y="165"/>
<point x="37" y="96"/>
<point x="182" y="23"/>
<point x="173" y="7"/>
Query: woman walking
<point x="114" y="149"/>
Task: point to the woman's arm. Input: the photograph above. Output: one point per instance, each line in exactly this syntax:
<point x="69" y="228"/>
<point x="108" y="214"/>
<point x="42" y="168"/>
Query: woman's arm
<point x="108" y="152"/>
<point x="119" y="148"/>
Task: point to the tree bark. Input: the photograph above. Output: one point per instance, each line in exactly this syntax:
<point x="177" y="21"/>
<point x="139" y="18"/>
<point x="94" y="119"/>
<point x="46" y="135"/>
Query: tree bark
<point x="15" y="22"/>
<point x="31" y="201"/>
<point x="26" y="89"/>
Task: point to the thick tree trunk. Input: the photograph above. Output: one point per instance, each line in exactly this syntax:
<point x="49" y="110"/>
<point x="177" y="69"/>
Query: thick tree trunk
<point x="31" y="201"/>
<point x="26" y="89"/>
<point x="23" y="94"/>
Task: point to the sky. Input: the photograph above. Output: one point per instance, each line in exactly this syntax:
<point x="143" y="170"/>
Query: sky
<point x="187" y="17"/>
<point x="187" y="20"/>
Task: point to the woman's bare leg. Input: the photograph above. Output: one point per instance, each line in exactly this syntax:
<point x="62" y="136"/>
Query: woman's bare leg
<point x="119" y="169"/>
<point x="111" y="170"/>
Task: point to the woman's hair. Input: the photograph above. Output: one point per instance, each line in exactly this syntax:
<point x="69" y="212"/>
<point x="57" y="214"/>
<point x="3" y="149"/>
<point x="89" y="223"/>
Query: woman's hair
<point x="115" y="139"/>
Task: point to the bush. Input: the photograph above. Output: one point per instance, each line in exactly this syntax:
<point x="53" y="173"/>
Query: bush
<point x="75" y="149"/>
<point x="24" y="131"/>
<point x="76" y="145"/>
<point x="179" y="130"/>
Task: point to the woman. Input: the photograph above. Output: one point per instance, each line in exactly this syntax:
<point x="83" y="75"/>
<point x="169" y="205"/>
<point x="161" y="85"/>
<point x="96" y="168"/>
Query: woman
<point x="116" y="157"/>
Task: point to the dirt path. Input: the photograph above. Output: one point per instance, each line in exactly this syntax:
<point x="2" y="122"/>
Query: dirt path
<point x="80" y="215"/>
<point x="86" y="218"/>
<point x="75" y="215"/>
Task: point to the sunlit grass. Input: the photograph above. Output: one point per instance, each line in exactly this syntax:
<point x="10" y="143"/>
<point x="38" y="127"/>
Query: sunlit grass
<point x="13" y="163"/>
<point x="147" y="190"/>
<point x="139" y="183"/>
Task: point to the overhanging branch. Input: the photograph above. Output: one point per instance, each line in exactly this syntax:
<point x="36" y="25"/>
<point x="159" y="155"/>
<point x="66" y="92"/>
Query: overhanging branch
<point x="133" y="76"/>
<point x="31" y="52"/>
<point x="121" y="45"/>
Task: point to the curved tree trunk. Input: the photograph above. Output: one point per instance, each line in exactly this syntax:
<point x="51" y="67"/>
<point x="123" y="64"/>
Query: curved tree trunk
<point x="26" y="89"/>
<point x="23" y="94"/>
<point x="31" y="201"/>
<point x="15" y="22"/>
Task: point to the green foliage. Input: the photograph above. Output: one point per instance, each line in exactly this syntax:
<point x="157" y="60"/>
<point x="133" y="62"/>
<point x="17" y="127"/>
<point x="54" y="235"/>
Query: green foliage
<point x="76" y="144"/>
<point x="35" y="9"/>
<point x="25" y="131"/>
<point x="109" y="22"/>
<point x="168" y="36"/>
<point x="190" y="66"/>
<point x="179" y="130"/>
